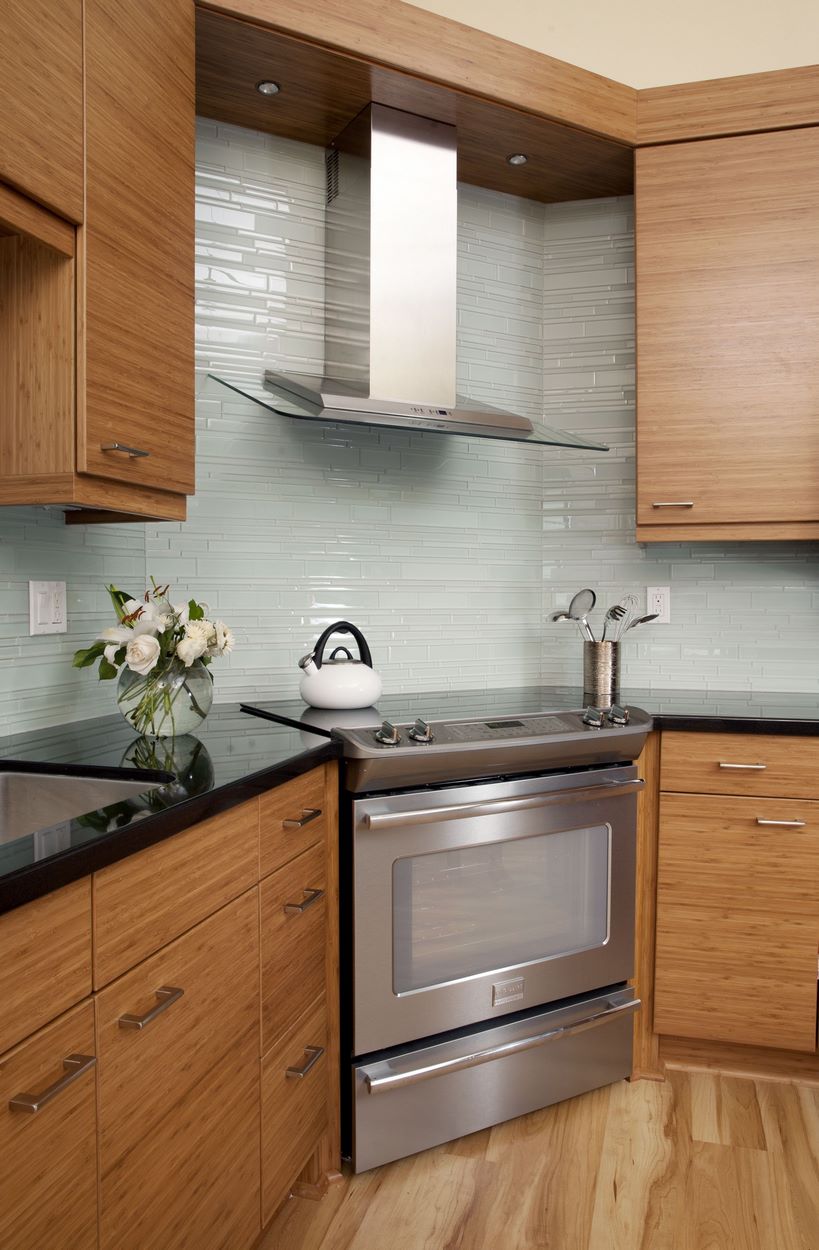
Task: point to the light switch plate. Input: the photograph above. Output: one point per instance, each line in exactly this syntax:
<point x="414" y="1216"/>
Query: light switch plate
<point x="47" y="608"/>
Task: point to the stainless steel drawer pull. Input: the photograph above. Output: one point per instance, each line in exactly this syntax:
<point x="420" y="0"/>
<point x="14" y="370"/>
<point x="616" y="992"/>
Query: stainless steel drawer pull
<point x="308" y="814"/>
<point x="757" y="768"/>
<point x="498" y="807"/>
<point x="395" y="1079"/>
<point x="75" y="1067"/>
<point x="167" y="995"/>
<point x="298" y="1074"/>
<point x="786" y="824"/>
<point x="134" y="452"/>
<point x="310" y="897"/>
<point x="678" y="503"/>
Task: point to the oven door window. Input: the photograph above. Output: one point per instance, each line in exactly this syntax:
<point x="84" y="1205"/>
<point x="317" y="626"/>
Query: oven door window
<point x="465" y="911"/>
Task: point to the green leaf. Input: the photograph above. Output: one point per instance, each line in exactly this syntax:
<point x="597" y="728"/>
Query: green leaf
<point x="107" y="670"/>
<point x="85" y="657"/>
<point x="195" y="612"/>
<point x="119" y="598"/>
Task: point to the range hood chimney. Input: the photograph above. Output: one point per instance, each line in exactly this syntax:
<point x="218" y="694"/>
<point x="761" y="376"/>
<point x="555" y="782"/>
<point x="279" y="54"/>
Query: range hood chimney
<point x="391" y="291"/>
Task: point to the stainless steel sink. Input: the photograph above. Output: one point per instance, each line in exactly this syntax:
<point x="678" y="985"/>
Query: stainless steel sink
<point x="30" y="802"/>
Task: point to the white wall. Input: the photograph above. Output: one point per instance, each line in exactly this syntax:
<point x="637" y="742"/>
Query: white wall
<point x="650" y="43"/>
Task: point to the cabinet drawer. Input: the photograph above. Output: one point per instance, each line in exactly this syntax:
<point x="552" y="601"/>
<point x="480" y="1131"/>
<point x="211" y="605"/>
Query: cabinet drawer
<point x="294" y="1106"/>
<point x="289" y="823"/>
<point x="293" y="941"/>
<point x="146" y="901"/>
<point x="48" y="1179"/>
<point x="757" y="764"/>
<point x="179" y="1097"/>
<point x="46" y="964"/>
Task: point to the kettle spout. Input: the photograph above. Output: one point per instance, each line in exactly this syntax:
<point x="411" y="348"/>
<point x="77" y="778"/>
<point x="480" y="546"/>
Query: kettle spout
<point x="307" y="663"/>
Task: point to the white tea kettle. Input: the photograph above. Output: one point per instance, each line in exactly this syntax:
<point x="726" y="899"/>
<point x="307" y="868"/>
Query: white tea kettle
<point x="340" y="681"/>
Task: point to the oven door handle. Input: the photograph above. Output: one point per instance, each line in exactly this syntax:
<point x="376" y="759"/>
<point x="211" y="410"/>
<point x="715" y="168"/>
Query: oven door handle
<point x="396" y="1080"/>
<point x="497" y="807"/>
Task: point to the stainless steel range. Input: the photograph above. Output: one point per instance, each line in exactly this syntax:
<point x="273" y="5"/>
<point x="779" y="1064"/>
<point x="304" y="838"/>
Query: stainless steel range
<point x="490" y="920"/>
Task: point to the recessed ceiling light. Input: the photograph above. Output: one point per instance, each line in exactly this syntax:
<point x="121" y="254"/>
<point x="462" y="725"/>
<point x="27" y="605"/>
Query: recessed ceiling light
<point x="517" y="158"/>
<point x="268" y="88"/>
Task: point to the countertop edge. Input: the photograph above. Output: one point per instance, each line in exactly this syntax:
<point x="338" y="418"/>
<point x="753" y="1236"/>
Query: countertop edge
<point x="692" y="722"/>
<point x="40" y="878"/>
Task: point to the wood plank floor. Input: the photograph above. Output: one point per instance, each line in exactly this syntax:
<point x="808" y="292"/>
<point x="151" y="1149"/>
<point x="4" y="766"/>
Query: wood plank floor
<point x="700" y="1162"/>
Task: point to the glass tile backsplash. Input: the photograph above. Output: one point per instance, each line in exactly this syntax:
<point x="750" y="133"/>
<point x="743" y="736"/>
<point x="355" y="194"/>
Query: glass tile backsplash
<point x="448" y="553"/>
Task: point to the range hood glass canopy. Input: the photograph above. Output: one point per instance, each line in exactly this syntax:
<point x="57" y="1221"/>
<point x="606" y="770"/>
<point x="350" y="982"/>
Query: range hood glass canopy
<point x="332" y="402"/>
<point x="390" y="300"/>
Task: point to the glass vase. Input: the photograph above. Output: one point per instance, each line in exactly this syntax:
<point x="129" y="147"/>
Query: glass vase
<point x="167" y="702"/>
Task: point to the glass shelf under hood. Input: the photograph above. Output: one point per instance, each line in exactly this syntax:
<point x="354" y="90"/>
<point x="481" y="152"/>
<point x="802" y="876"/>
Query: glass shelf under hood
<point x="300" y="404"/>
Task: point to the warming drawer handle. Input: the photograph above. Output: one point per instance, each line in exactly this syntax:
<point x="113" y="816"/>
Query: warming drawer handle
<point x="167" y="995"/>
<point x="75" y="1066"/>
<point x="498" y="807"/>
<point x="382" y="1084"/>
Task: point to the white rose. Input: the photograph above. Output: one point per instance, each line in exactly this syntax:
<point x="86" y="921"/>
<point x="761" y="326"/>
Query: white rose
<point x="142" y="654"/>
<point x="190" y="648"/>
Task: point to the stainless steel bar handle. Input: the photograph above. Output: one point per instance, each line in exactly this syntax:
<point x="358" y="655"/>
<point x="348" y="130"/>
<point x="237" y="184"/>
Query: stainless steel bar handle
<point x="750" y="767"/>
<point x="674" y="503"/>
<point x="786" y="824"/>
<point x="308" y="814"/>
<point x="310" y="897"/>
<point x="75" y="1067"/>
<point x="498" y="807"/>
<point x="380" y="1084"/>
<point x="298" y="1074"/>
<point x="167" y="995"/>
<point x="136" y="453"/>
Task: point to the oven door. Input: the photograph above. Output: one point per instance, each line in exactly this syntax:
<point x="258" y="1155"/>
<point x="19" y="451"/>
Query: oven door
<point x="474" y="901"/>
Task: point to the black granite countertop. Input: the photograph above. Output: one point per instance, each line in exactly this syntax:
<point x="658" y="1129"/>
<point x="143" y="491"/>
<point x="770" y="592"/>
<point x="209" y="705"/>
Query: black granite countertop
<point x="232" y="758"/>
<point x="721" y="711"/>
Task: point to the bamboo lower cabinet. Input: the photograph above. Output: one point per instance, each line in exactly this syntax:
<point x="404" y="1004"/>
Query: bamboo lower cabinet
<point x="737" y="901"/>
<point x="48" y="1138"/>
<point x="177" y="1103"/>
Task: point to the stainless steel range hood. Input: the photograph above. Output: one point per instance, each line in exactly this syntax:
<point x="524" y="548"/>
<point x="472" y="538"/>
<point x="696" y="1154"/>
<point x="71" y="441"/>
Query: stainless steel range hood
<point x="390" y="292"/>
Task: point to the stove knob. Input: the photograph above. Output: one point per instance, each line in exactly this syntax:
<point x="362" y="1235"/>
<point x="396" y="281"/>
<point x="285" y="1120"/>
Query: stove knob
<point x="387" y="735"/>
<point x="593" y="717"/>
<point x="618" y="715"/>
<point x="421" y="731"/>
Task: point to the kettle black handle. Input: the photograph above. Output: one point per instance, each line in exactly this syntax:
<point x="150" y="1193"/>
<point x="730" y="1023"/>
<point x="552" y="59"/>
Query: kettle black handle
<point x="342" y="627"/>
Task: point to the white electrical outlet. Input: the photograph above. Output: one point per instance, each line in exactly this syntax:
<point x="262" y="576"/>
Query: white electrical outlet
<point x="47" y="608"/>
<point x="658" y="599"/>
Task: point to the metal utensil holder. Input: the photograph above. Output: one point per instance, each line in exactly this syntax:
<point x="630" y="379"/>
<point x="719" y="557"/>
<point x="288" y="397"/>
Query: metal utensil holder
<point x="601" y="673"/>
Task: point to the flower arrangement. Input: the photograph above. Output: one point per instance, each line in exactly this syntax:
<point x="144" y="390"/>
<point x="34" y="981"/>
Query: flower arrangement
<point x="160" y="652"/>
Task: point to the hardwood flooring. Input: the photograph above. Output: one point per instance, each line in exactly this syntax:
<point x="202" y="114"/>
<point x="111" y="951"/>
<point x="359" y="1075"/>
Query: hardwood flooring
<point x="699" y="1162"/>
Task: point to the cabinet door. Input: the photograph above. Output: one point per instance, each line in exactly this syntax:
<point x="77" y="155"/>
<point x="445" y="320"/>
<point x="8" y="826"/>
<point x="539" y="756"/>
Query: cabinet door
<point x="179" y="1096"/>
<point x="738" y="920"/>
<point x="41" y="101"/>
<point x="48" y="1178"/>
<point x="727" y="330"/>
<point x="137" y="244"/>
<point x="294" y="940"/>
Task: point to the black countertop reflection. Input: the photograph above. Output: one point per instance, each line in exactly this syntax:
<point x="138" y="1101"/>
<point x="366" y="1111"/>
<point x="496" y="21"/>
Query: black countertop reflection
<point x="706" y="710"/>
<point x="231" y="758"/>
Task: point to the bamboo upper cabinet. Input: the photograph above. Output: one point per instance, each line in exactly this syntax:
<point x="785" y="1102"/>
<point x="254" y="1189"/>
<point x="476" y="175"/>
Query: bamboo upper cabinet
<point x="727" y="338"/>
<point x="97" y="323"/>
<point x="135" y="421"/>
<point x="41" y="145"/>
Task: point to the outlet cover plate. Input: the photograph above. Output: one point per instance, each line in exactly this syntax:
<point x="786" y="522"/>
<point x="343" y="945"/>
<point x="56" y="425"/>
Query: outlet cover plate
<point x="658" y="599"/>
